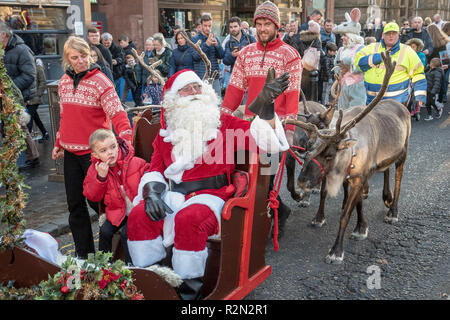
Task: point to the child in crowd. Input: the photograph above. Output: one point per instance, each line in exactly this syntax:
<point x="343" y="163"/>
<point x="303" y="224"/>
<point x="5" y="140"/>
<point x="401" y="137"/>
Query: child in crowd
<point x="113" y="177"/>
<point x="435" y="78"/>
<point x="417" y="45"/>
<point x="153" y="91"/>
<point x="132" y="75"/>
<point x="327" y="64"/>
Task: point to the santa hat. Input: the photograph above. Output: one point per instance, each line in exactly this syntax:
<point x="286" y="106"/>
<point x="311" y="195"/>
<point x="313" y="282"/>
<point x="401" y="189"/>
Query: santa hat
<point x="179" y="80"/>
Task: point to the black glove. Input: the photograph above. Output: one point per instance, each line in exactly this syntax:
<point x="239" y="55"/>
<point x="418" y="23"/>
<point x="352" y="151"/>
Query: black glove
<point x="264" y="105"/>
<point x="155" y="207"/>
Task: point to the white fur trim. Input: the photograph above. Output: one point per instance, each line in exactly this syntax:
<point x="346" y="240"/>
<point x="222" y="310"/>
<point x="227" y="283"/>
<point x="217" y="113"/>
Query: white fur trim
<point x="146" y="252"/>
<point x="167" y="274"/>
<point x="184" y="79"/>
<point x="148" y="177"/>
<point x="189" y="264"/>
<point x="268" y="139"/>
<point x="45" y="245"/>
<point x="176" y="202"/>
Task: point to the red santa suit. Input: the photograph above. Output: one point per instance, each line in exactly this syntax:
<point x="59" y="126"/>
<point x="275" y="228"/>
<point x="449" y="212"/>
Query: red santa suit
<point x="196" y="215"/>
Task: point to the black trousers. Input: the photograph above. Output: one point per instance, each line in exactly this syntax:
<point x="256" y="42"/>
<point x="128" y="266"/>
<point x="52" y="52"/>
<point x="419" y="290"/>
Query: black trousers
<point x="32" y="110"/>
<point x="75" y="169"/>
<point x="431" y="102"/>
<point x="107" y="231"/>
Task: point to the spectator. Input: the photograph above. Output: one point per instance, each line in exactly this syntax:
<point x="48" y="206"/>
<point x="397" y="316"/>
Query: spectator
<point x="37" y="100"/>
<point x="239" y="38"/>
<point x="162" y="52"/>
<point x="210" y="45"/>
<point x="133" y="77"/>
<point x="440" y="40"/>
<point x="21" y="68"/>
<point x="147" y="53"/>
<point x="173" y="42"/>
<point x="245" y="26"/>
<point x="153" y="91"/>
<point x="118" y="58"/>
<point x="326" y="73"/>
<point x="426" y="22"/>
<point x="316" y="15"/>
<point x="93" y="37"/>
<point x="417" y="31"/>
<point x="378" y="32"/>
<point x="88" y="102"/>
<point x="369" y="40"/>
<point x="417" y="46"/>
<point x="282" y="33"/>
<point x="445" y="63"/>
<point x="198" y="26"/>
<point x="127" y="46"/>
<point x="438" y="21"/>
<point x="405" y="27"/>
<point x="193" y="33"/>
<point x="98" y="58"/>
<point x="434" y="81"/>
<point x="326" y="33"/>
<point x="182" y="56"/>
<point x="292" y="37"/>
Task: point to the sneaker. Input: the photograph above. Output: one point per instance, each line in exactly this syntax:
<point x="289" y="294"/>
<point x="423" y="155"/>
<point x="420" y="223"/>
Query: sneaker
<point x="439" y="114"/>
<point x="417" y="115"/>
<point x="45" y="137"/>
<point x="428" y="118"/>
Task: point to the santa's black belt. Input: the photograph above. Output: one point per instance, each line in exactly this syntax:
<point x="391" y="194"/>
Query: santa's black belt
<point x="187" y="187"/>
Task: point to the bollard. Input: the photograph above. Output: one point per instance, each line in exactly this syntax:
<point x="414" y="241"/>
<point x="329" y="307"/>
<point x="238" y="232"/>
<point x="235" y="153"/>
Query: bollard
<point x="314" y="79"/>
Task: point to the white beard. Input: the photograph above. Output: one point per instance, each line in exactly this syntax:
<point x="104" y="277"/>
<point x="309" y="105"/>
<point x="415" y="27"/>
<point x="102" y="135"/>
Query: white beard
<point x="191" y="121"/>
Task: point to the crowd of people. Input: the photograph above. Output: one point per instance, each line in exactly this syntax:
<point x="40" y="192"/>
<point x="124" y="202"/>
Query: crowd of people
<point x="99" y="163"/>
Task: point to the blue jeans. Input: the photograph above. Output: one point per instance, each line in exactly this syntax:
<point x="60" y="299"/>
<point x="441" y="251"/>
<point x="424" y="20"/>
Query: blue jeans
<point x="217" y="87"/>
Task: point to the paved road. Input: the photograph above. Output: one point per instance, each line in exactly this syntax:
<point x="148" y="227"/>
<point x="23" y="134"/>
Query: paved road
<point x="412" y="257"/>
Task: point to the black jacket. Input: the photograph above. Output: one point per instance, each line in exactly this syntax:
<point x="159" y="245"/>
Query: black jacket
<point x="133" y="77"/>
<point x="117" y="54"/>
<point x="105" y="53"/>
<point x="20" y="66"/>
<point x="422" y="35"/>
<point x="434" y="80"/>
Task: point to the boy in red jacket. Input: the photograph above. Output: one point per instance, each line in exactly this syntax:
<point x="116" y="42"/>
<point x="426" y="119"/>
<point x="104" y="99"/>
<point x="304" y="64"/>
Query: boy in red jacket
<point x="113" y="177"/>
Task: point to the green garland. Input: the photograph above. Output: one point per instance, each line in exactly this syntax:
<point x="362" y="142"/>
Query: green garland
<point x="13" y="202"/>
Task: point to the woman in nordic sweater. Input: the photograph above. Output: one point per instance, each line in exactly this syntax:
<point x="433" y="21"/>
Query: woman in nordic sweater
<point x="88" y="102"/>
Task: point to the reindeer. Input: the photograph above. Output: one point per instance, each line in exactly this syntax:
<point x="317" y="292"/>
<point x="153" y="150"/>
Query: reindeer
<point x="370" y="140"/>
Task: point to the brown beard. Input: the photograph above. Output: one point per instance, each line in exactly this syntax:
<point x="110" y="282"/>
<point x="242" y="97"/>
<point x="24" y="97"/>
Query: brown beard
<point x="264" y="43"/>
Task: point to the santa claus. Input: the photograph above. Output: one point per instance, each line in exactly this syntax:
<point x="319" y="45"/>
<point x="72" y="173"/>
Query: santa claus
<point x="180" y="199"/>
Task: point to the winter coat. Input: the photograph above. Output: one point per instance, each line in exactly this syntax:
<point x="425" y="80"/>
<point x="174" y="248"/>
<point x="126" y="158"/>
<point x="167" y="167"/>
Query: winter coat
<point x="309" y="39"/>
<point x="434" y="80"/>
<point x="182" y="58"/>
<point x="325" y="38"/>
<point x="133" y="76"/>
<point x="165" y="58"/>
<point x="106" y="70"/>
<point x="105" y="53"/>
<point x="423" y="35"/>
<point x="117" y="54"/>
<point x="213" y="53"/>
<point x="126" y="173"/>
<point x="326" y="64"/>
<point x="229" y="46"/>
<point x="41" y="85"/>
<point x="127" y="50"/>
<point x="20" y="66"/>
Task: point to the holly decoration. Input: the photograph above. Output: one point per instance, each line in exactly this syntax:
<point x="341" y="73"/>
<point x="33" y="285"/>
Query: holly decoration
<point x="95" y="279"/>
<point x="14" y="200"/>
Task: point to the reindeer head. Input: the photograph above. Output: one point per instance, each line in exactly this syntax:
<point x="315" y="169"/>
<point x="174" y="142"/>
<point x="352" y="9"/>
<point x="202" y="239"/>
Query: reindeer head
<point x="325" y="146"/>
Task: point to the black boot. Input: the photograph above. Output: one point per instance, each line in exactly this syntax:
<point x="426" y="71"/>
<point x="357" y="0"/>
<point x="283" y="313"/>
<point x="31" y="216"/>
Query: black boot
<point x="191" y="289"/>
<point x="283" y="214"/>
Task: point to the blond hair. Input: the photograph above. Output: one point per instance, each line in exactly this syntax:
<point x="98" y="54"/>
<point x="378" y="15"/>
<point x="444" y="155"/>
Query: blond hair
<point x="78" y="44"/>
<point x="439" y="38"/>
<point x="100" y="135"/>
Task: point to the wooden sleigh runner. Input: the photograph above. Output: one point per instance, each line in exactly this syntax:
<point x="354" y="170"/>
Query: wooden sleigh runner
<point x="235" y="265"/>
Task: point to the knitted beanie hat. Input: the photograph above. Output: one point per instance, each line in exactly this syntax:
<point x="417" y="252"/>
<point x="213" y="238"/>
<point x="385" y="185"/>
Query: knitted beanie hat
<point x="313" y="26"/>
<point x="268" y="10"/>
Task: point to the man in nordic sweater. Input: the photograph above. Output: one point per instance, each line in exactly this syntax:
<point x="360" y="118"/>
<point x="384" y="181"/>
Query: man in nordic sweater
<point x="250" y="70"/>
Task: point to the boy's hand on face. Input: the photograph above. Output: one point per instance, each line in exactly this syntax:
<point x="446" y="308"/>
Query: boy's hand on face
<point x="102" y="168"/>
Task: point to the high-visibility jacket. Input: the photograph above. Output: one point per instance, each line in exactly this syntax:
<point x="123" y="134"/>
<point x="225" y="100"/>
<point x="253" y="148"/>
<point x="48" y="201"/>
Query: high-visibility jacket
<point x="409" y="68"/>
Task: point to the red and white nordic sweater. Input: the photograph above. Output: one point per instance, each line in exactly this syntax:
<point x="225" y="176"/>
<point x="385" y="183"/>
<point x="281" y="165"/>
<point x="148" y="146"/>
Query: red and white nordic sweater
<point x="250" y="72"/>
<point x="92" y="105"/>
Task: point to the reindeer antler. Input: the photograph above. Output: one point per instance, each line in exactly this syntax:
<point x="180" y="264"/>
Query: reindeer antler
<point x="205" y="59"/>
<point x="390" y="67"/>
<point x="151" y="68"/>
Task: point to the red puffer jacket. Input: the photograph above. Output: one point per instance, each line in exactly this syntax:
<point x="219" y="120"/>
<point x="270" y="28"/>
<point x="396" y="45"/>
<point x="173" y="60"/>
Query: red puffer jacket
<point x="127" y="173"/>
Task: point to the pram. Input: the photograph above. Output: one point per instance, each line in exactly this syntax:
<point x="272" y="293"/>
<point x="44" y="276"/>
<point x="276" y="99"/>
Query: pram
<point x="412" y="104"/>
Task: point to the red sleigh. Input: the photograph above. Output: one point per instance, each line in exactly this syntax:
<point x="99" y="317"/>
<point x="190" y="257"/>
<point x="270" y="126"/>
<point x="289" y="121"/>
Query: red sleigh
<point x="236" y="263"/>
